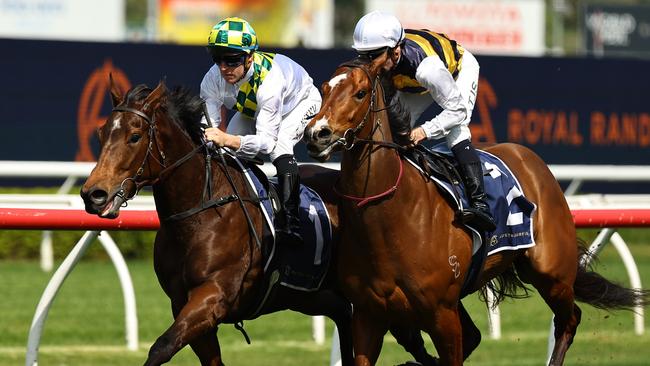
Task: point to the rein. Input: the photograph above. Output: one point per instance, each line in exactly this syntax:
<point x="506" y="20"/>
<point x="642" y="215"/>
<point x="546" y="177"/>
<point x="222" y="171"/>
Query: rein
<point x="362" y="201"/>
<point x="207" y="190"/>
<point x="350" y="138"/>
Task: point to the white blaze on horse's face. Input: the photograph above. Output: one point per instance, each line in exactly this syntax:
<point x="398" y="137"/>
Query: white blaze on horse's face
<point x="116" y="124"/>
<point x="337" y="79"/>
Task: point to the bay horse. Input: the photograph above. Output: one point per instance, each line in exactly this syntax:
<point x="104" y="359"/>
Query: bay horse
<point x="410" y="256"/>
<point x="207" y="252"/>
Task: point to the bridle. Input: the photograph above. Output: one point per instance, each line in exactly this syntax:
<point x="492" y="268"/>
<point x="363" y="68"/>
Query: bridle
<point x="350" y="139"/>
<point x="152" y="137"/>
<point x="206" y="202"/>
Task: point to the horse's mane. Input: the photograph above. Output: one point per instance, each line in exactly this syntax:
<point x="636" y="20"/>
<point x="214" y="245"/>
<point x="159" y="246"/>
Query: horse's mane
<point x="399" y="118"/>
<point x="184" y="108"/>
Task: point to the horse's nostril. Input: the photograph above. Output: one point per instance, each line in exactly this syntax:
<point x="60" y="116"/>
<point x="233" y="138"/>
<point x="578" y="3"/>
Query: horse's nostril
<point x="324" y="134"/>
<point x="98" y="196"/>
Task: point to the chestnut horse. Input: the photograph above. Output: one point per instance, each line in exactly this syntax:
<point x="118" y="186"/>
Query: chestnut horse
<point x="410" y="256"/>
<point x="207" y="252"/>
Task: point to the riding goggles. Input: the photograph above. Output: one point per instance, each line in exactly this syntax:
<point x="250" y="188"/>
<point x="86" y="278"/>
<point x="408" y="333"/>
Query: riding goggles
<point x="229" y="60"/>
<point x="372" y="54"/>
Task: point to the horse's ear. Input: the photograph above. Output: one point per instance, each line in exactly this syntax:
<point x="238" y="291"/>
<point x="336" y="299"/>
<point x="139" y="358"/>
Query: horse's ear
<point x="376" y="67"/>
<point x="116" y="96"/>
<point x="325" y="88"/>
<point x="156" y="98"/>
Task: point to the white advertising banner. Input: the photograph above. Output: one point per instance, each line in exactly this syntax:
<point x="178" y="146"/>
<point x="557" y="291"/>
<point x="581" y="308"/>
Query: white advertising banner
<point x="89" y="20"/>
<point x="505" y="27"/>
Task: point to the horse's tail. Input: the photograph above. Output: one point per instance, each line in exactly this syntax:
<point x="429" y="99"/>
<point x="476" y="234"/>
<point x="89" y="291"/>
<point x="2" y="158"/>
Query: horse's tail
<point x="597" y="291"/>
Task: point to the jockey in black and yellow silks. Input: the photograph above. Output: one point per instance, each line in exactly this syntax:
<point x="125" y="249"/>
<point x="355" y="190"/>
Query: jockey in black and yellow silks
<point x="418" y="45"/>
<point x="429" y="67"/>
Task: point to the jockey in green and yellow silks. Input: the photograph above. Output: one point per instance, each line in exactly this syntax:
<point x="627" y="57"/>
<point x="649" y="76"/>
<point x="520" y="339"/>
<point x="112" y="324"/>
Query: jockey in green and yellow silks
<point x="272" y="96"/>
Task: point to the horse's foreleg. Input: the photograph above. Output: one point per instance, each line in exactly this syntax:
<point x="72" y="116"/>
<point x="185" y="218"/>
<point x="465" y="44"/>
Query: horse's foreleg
<point x="207" y="349"/>
<point x="446" y="336"/>
<point x="368" y="336"/>
<point x="341" y="314"/>
<point x="197" y="318"/>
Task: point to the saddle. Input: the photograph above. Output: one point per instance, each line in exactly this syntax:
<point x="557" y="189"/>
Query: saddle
<point x="438" y="164"/>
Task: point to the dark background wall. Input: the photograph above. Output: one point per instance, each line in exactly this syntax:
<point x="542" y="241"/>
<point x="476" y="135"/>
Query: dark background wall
<point x="569" y="110"/>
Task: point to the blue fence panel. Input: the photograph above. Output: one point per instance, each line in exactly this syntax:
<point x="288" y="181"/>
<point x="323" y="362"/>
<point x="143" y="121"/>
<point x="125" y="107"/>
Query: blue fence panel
<point x="569" y="110"/>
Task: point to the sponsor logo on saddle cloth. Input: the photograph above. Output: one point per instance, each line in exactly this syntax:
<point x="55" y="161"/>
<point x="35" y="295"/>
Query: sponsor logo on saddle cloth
<point x="304" y="267"/>
<point x="512" y="212"/>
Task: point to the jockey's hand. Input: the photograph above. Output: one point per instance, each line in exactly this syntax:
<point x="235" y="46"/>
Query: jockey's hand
<point x="417" y="135"/>
<point x="216" y="135"/>
<point x="222" y="139"/>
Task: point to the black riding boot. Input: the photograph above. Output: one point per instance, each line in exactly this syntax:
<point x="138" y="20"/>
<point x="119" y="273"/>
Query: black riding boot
<point x="287" y="223"/>
<point x="478" y="213"/>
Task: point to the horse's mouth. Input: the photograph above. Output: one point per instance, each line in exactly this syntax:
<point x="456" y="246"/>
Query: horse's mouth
<point x="112" y="208"/>
<point x="322" y="152"/>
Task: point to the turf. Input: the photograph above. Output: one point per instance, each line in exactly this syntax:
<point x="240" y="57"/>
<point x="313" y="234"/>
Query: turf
<point x="86" y="324"/>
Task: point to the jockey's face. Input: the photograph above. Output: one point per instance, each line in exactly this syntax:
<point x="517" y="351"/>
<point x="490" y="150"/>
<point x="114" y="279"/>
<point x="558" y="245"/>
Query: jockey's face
<point x="394" y="55"/>
<point x="233" y="67"/>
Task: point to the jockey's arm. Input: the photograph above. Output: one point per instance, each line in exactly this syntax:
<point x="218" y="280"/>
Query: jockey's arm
<point x="267" y="123"/>
<point x="212" y="94"/>
<point x="434" y="76"/>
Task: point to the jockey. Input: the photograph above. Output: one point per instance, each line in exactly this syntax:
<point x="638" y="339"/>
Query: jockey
<point x="272" y="96"/>
<point x="425" y="67"/>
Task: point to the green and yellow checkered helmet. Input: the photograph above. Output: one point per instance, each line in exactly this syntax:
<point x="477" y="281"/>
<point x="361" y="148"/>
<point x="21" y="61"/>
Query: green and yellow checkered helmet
<point x="233" y="33"/>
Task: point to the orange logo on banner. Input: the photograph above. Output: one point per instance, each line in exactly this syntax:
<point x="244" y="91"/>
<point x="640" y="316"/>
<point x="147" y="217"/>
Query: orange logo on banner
<point x="486" y="100"/>
<point x="89" y="116"/>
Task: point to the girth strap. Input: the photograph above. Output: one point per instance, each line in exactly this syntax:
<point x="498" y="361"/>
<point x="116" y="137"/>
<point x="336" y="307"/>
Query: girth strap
<point x="204" y="206"/>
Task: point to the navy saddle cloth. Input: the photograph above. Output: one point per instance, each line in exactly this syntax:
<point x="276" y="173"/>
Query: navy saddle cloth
<point x="299" y="267"/>
<point x="512" y="212"/>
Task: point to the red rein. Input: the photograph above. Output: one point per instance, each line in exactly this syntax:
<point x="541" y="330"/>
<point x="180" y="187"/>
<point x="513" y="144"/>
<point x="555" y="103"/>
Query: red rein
<point x="361" y="201"/>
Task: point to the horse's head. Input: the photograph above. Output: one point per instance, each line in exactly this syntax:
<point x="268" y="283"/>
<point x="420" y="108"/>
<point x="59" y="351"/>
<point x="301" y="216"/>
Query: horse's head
<point x="349" y="97"/>
<point x="131" y="150"/>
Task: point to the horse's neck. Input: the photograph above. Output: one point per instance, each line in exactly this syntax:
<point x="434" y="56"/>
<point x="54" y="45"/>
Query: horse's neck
<point x="368" y="169"/>
<point x="184" y="187"/>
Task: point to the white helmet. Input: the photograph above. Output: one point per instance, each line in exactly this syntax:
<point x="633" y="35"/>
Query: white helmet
<point x="376" y="30"/>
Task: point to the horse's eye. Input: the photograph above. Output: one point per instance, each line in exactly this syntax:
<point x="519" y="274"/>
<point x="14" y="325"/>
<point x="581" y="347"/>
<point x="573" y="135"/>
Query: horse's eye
<point x="134" y="138"/>
<point x="360" y="94"/>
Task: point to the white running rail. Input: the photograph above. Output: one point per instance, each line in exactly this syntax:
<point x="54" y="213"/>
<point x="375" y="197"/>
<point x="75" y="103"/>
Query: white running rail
<point x="576" y="174"/>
